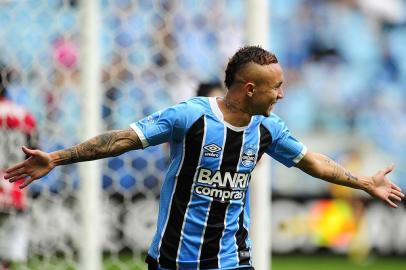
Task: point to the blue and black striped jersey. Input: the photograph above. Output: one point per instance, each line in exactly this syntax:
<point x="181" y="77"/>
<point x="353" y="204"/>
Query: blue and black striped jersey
<point x="204" y="210"/>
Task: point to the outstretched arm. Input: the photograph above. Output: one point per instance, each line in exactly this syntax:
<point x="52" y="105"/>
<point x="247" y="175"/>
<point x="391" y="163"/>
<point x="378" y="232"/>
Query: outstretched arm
<point x="378" y="186"/>
<point x="40" y="163"/>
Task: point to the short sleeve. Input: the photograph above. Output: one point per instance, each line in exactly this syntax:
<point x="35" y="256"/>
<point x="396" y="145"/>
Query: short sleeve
<point x="161" y="126"/>
<point x="284" y="147"/>
<point x="170" y="124"/>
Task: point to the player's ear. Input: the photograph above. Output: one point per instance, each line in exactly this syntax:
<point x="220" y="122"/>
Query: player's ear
<point x="249" y="88"/>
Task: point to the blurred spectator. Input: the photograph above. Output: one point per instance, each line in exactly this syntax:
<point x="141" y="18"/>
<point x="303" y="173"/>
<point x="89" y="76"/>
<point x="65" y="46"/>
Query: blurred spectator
<point x="17" y="127"/>
<point x="210" y="89"/>
<point x="346" y="57"/>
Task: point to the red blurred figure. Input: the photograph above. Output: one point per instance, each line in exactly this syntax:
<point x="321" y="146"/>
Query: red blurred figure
<point x="17" y="126"/>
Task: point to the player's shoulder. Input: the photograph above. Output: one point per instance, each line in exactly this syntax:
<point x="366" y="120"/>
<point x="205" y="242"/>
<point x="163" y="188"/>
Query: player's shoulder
<point x="185" y="112"/>
<point x="273" y="123"/>
<point x="272" y="119"/>
<point x="198" y="101"/>
<point x="195" y="104"/>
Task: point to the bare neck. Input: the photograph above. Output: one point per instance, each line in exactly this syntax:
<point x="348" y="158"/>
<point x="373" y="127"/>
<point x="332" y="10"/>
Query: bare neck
<point x="234" y="111"/>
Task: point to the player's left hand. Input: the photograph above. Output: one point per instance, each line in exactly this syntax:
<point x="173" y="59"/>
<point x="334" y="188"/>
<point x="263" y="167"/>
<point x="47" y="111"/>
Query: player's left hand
<point x="382" y="188"/>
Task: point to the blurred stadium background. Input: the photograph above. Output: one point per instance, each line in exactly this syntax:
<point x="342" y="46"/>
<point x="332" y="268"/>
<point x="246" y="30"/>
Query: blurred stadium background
<point x="345" y="73"/>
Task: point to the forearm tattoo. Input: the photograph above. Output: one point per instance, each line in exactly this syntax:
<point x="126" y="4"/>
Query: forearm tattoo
<point x="74" y="156"/>
<point x="109" y="144"/>
<point x="337" y="172"/>
<point x="351" y="177"/>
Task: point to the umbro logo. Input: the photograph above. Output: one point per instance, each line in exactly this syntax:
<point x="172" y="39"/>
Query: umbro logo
<point x="212" y="150"/>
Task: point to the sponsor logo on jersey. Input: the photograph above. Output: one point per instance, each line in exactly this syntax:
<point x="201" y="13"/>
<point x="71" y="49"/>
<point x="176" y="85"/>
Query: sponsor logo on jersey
<point x="220" y="185"/>
<point x="212" y="150"/>
<point x="249" y="156"/>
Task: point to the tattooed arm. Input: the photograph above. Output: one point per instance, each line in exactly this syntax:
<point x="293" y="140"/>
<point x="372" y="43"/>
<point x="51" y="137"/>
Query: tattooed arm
<point x="322" y="167"/>
<point x="40" y="163"/>
<point x="378" y="186"/>
<point x="108" y="144"/>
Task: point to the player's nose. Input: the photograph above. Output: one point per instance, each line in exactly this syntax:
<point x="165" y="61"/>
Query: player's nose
<point x="281" y="93"/>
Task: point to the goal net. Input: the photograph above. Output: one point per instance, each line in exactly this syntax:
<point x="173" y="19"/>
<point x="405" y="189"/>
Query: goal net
<point x="154" y="53"/>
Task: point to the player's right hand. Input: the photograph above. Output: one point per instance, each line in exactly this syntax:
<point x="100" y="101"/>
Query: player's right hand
<point x="35" y="166"/>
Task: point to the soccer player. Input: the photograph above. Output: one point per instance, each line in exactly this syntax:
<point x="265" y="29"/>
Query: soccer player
<point x="17" y="126"/>
<point x="215" y="144"/>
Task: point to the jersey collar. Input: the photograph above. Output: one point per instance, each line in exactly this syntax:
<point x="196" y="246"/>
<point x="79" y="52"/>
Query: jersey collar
<point x="217" y="112"/>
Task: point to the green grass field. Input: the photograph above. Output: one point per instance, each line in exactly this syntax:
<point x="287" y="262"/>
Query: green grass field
<point x="297" y="262"/>
<point x="335" y="263"/>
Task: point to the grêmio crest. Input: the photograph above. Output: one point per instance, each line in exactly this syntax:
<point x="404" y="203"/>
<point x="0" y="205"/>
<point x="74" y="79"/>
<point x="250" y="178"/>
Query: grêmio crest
<point x="249" y="156"/>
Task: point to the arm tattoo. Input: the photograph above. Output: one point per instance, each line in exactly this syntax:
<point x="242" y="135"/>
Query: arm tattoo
<point x="338" y="172"/>
<point x="109" y="144"/>
<point x="74" y="156"/>
<point x="350" y="177"/>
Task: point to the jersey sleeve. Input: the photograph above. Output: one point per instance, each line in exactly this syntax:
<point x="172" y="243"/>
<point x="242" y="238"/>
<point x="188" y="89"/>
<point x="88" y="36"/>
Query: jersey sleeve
<point x="284" y="147"/>
<point x="162" y="126"/>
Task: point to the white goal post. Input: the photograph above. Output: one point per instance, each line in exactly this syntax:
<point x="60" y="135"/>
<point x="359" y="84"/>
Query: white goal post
<point x="83" y="67"/>
<point x="90" y="172"/>
<point x="257" y="33"/>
